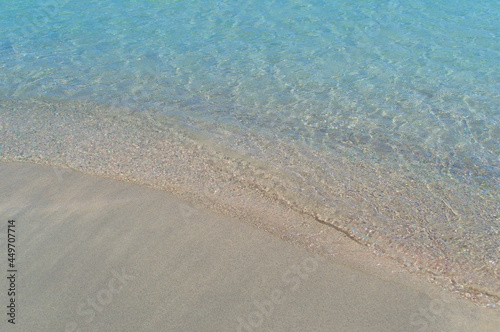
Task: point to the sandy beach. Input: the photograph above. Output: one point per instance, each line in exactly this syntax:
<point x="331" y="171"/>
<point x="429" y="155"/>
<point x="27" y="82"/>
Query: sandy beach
<point x="249" y="166"/>
<point x="95" y="254"/>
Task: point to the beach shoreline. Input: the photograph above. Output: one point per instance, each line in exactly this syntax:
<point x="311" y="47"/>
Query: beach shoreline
<point x="97" y="253"/>
<point x="250" y="166"/>
<point x="296" y="195"/>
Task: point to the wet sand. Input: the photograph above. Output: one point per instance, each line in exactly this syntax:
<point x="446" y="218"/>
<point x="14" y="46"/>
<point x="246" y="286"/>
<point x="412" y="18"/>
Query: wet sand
<point x="95" y="254"/>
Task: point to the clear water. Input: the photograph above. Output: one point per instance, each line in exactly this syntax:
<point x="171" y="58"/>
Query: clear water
<point x="382" y="119"/>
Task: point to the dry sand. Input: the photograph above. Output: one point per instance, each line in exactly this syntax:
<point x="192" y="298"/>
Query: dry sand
<point x="96" y="254"/>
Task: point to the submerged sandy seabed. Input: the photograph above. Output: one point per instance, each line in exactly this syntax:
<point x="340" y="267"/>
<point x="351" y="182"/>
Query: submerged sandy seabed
<point x="101" y="255"/>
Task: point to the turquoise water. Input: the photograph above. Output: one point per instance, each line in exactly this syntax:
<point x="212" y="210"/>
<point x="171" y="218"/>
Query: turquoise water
<point x="389" y="111"/>
<point x="416" y="73"/>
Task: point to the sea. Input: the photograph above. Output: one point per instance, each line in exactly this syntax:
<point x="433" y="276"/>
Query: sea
<point x="376" y="119"/>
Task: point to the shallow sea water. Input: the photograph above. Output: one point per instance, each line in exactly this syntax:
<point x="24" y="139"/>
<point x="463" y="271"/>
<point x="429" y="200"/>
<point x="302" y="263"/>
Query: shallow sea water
<point x="379" y="120"/>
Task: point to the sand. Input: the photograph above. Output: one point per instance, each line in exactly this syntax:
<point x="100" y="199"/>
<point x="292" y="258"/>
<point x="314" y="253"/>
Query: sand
<point x="95" y="254"/>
